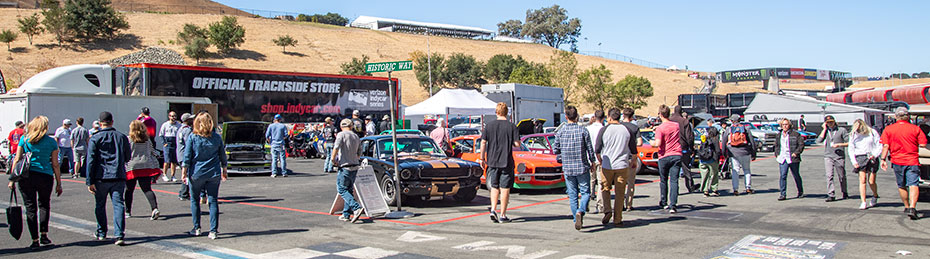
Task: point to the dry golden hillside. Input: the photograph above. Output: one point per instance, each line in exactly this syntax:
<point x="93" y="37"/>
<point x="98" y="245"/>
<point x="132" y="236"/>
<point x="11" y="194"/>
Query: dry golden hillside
<point x="164" y="6"/>
<point x="321" y="49"/>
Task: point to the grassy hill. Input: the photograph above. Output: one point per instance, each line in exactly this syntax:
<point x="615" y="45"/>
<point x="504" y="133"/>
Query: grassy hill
<point x="321" y="49"/>
<point x="161" y="6"/>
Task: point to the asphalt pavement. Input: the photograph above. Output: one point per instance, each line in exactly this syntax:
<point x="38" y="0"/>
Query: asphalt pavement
<point x="263" y="217"/>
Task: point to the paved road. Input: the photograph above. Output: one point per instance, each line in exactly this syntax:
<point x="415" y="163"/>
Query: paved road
<point x="286" y="218"/>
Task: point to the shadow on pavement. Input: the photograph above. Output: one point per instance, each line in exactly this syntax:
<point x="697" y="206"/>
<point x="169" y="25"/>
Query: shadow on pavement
<point x="547" y="218"/>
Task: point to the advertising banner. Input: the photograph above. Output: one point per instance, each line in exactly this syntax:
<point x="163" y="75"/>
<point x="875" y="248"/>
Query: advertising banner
<point x="2" y="83"/>
<point x="742" y="75"/>
<point x="797" y="73"/>
<point x="823" y="74"/>
<point x="243" y="95"/>
<point x="783" y="73"/>
<point x="810" y="74"/>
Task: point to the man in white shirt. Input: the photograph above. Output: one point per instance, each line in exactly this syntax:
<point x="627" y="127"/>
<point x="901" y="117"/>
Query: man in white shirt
<point x="597" y="122"/>
<point x="168" y="134"/>
<point x="65" y="153"/>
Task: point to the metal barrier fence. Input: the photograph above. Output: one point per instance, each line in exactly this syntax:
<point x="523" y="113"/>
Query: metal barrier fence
<point x="623" y="58"/>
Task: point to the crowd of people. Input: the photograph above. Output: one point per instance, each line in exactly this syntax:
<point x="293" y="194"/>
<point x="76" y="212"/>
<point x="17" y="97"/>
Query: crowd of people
<point x="114" y="163"/>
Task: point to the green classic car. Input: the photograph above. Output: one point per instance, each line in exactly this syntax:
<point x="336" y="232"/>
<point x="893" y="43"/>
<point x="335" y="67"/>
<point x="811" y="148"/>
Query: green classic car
<point x="246" y="150"/>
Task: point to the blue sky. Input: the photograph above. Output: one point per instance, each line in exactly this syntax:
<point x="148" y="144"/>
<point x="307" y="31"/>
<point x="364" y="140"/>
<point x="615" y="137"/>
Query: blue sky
<point x="862" y="37"/>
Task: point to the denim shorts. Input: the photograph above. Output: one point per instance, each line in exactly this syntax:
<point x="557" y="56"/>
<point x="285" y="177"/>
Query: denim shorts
<point x="906" y="175"/>
<point x="500" y="177"/>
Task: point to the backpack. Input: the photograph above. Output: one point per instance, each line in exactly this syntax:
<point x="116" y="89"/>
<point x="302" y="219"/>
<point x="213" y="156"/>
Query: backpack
<point x="358" y="127"/>
<point x="737" y="137"/>
<point x="706" y="152"/>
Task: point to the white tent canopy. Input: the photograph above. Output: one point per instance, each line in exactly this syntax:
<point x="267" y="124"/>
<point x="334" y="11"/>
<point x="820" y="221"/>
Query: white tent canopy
<point x="453" y="102"/>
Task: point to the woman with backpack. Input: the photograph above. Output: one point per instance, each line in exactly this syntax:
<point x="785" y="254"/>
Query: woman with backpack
<point x="709" y="155"/>
<point x="864" y="150"/>
<point x="741" y="150"/>
<point x="141" y="168"/>
<point x="36" y="188"/>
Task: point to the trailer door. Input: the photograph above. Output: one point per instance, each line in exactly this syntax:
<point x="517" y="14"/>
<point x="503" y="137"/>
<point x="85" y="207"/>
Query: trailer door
<point x="210" y="108"/>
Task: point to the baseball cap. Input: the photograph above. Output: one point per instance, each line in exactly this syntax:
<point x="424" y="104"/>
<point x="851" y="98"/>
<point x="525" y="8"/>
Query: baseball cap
<point x="355" y="112"/>
<point x="66" y="122"/>
<point x="901" y="111"/>
<point x="386" y="117"/>
<point x="345" y="123"/>
<point x="734" y="117"/>
<point x="278" y="117"/>
<point x="368" y="117"/>
<point x="186" y="116"/>
<point x="329" y="119"/>
<point x="829" y="118"/>
<point x="18" y="123"/>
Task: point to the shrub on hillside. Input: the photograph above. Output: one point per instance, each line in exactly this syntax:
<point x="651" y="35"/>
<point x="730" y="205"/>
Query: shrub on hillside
<point x="7" y="36"/>
<point x="462" y="71"/>
<point x="93" y="19"/>
<point x="284" y="41"/>
<point x="30" y="26"/>
<point x="501" y="66"/>
<point x="533" y="74"/>
<point x="190" y="32"/>
<point x="226" y="34"/>
<point x="197" y="49"/>
<point x="55" y="21"/>
<point x="328" y="18"/>
<point x="425" y="67"/>
<point x="355" y="67"/>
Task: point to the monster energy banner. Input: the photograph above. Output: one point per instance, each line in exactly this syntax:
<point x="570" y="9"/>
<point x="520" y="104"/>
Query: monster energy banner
<point x="758" y="74"/>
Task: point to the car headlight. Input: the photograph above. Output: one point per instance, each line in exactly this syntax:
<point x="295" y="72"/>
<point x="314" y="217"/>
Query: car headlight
<point x="476" y="171"/>
<point x="406" y="174"/>
<point x="267" y="156"/>
<point x="521" y="168"/>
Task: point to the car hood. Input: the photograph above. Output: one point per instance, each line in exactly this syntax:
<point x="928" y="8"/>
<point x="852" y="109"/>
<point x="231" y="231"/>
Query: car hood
<point x="535" y="159"/>
<point x="244" y="133"/>
<point x="432" y="162"/>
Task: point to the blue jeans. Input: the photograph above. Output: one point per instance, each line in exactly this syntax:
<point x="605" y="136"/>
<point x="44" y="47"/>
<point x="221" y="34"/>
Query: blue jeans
<point x="344" y="183"/>
<point x="277" y="158"/>
<point x="328" y="164"/>
<point x="115" y="191"/>
<point x="576" y="183"/>
<point x="783" y="177"/>
<point x="65" y="159"/>
<point x="212" y="186"/>
<point x="669" y="172"/>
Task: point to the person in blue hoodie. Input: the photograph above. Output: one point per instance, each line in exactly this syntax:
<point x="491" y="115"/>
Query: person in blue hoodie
<point x="107" y="154"/>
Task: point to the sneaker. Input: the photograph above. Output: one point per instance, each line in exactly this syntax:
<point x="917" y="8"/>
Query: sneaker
<point x="165" y="178"/>
<point x="119" y="241"/>
<point x="273" y="176"/>
<point x="800" y="195"/>
<point x="706" y="194"/>
<point x="845" y="196"/>
<point x="714" y="194"/>
<point x="907" y="210"/>
<point x="344" y="218"/>
<point x="155" y="214"/>
<point x="505" y="219"/>
<point x="357" y="215"/>
<point x="194" y="232"/>
<point x="212" y="235"/>
<point x="579" y="220"/>
<point x="494" y="217"/>
<point x="128" y="215"/>
<point x="174" y="179"/>
<point x="735" y="192"/>
<point x="782" y="198"/>
<point x="913" y="214"/>
<point x="864" y="205"/>
<point x="35" y="245"/>
<point x="829" y="199"/>
<point x="672" y="210"/>
<point x="283" y="175"/>
<point x="873" y="202"/>
<point x="183" y="199"/>
<point x="100" y="238"/>
<point x="607" y="217"/>
<point x="44" y="240"/>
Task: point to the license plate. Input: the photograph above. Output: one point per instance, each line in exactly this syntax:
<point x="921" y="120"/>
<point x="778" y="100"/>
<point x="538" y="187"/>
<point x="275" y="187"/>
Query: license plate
<point x="524" y="178"/>
<point x="246" y="169"/>
<point x="444" y="187"/>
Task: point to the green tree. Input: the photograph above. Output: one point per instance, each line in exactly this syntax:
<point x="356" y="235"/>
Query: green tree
<point x="93" y="19"/>
<point x="190" y="32"/>
<point x="284" y="41"/>
<point x="7" y="36"/>
<point x="551" y="26"/>
<point x="197" y="49"/>
<point x="423" y="68"/>
<point x="595" y="87"/>
<point x="510" y="28"/>
<point x="462" y="71"/>
<point x="500" y="66"/>
<point x="46" y="4"/>
<point x="534" y="74"/>
<point x="563" y="67"/>
<point x="30" y="26"/>
<point x="355" y="67"/>
<point x="54" y="21"/>
<point x="226" y="34"/>
<point x="632" y="92"/>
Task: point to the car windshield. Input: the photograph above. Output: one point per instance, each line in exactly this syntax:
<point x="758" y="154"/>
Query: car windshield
<point x="771" y="127"/>
<point x="750" y="125"/>
<point x="648" y="135"/>
<point x="410" y="146"/>
<point x="454" y="133"/>
<point x="551" y="139"/>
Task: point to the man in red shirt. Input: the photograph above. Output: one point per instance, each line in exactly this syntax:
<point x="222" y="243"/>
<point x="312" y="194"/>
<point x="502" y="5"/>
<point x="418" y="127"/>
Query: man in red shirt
<point x="14" y="137"/>
<point x="901" y="140"/>
<point x="668" y="141"/>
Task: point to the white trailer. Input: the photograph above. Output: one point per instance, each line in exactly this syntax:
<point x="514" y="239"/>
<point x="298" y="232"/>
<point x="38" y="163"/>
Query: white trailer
<point x="83" y="91"/>
<point x="529" y="101"/>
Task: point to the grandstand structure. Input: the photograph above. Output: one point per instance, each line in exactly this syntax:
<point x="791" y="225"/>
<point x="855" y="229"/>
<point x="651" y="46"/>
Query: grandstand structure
<point x="396" y="25"/>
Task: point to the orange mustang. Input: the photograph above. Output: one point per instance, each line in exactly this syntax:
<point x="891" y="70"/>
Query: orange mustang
<point x="533" y="171"/>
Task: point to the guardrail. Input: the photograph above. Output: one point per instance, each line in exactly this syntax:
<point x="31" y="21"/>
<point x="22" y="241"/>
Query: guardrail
<point x="624" y="58"/>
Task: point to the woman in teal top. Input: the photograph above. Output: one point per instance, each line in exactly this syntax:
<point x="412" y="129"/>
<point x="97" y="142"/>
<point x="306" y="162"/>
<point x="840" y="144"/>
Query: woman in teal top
<point x="37" y="188"/>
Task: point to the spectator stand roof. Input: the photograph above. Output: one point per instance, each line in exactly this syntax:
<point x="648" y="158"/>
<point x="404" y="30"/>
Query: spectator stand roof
<point x="395" y="25"/>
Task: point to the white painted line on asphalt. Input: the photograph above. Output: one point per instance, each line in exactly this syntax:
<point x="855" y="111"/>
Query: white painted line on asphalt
<point x="293" y="253"/>
<point x="513" y="251"/>
<point x="418" y="237"/>
<point x="367" y="253"/>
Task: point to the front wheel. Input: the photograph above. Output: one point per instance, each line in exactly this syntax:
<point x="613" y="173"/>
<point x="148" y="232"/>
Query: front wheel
<point x="466" y="195"/>
<point x="388" y="190"/>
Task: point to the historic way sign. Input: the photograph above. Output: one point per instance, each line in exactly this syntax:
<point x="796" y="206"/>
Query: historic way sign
<point x="388" y="66"/>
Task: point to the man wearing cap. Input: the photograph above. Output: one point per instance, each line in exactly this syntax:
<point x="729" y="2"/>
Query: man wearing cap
<point x="741" y="150"/>
<point x="900" y="141"/>
<point x="346" y="156"/>
<point x="329" y="139"/>
<point x="15" y="135"/>
<point x="358" y="126"/>
<point x="276" y="134"/>
<point x="369" y="126"/>
<point x="835" y="140"/>
<point x="107" y="154"/>
<point x="385" y="123"/>
<point x="187" y="126"/>
<point x="79" y="138"/>
<point x="65" y="153"/>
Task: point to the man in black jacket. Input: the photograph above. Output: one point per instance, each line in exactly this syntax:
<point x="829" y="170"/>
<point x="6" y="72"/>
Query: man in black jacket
<point x="788" y="147"/>
<point x="107" y="154"/>
<point x="686" y="139"/>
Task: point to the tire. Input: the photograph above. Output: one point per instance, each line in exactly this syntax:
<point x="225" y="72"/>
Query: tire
<point x="388" y="190"/>
<point x="466" y="195"/>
